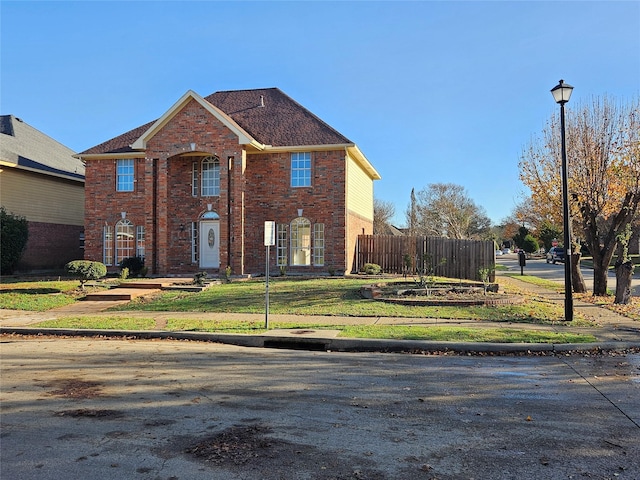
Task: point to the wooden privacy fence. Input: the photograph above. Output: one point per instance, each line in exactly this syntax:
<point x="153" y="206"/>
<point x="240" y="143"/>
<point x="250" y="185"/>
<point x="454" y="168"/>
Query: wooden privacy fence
<point x="449" y="257"/>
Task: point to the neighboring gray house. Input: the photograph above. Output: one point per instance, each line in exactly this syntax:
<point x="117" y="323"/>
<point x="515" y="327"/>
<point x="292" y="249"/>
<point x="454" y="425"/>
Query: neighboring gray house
<point x="42" y="181"/>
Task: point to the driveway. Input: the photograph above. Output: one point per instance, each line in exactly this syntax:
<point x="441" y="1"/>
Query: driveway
<point x="99" y="409"/>
<point x="540" y="268"/>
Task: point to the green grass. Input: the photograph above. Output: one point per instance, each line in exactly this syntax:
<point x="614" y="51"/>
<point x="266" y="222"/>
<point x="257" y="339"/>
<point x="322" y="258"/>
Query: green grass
<point x="541" y="282"/>
<point x="38" y="296"/>
<point x="397" y="332"/>
<point x="337" y="297"/>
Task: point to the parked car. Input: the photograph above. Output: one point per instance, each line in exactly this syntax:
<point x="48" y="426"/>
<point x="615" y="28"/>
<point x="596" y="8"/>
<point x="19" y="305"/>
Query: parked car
<point x="555" y="254"/>
<point x="506" y="251"/>
<point x="498" y="253"/>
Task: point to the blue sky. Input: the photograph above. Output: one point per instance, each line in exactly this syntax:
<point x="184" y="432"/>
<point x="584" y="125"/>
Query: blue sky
<point x="431" y="91"/>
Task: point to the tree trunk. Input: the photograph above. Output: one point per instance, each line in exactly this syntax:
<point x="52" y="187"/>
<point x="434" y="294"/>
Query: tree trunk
<point x="624" y="274"/>
<point x="599" y="279"/>
<point x="577" y="279"/>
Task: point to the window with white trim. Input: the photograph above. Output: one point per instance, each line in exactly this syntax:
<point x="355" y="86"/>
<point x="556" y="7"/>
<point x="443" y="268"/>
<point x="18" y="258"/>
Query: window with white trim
<point x="124" y="175"/>
<point x="301" y="169"/>
<point x="107" y="245"/>
<point x="300" y="241"/>
<point x="210" y="176"/>
<point x="125" y="240"/>
<point x="281" y="244"/>
<point x="318" y="244"/>
<point x="140" y="241"/>
<point x="194" y="179"/>
<point x="194" y="242"/>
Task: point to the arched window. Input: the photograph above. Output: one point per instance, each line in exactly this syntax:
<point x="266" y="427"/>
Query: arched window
<point x="300" y="241"/>
<point x="125" y="240"/>
<point x="210" y="177"/>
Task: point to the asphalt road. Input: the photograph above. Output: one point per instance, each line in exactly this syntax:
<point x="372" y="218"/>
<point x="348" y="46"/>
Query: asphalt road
<point x="540" y="268"/>
<point x="127" y="409"/>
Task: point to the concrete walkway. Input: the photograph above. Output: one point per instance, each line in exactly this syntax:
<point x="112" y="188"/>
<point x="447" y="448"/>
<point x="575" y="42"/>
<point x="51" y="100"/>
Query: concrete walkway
<point x="613" y="330"/>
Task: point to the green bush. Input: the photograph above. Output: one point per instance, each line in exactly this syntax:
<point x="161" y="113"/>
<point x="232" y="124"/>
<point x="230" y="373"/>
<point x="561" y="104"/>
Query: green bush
<point x="14" y="236"/>
<point x="371" y="269"/>
<point x="134" y="264"/>
<point x="86" y="270"/>
<point x="530" y="244"/>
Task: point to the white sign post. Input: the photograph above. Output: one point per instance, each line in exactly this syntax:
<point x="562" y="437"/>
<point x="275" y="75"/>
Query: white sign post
<point x="269" y="239"/>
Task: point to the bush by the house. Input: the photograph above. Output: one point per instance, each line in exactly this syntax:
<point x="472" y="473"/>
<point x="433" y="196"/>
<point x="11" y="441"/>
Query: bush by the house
<point x="14" y="236"/>
<point x="134" y="264"/>
<point x="86" y="270"/>
<point x="371" y="269"/>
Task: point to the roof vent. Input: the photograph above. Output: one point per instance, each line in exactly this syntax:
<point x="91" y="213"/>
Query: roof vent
<point x="261" y="100"/>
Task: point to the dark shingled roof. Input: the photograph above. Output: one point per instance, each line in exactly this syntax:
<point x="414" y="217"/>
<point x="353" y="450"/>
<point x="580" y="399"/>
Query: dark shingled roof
<point x="280" y="122"/>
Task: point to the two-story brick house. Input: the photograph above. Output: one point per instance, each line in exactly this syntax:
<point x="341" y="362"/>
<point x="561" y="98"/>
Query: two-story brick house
<point x="191" y="190"/>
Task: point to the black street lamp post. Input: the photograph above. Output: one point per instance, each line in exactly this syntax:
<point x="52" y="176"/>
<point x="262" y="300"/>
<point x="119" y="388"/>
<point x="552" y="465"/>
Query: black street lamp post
<point x="561" y="94"/>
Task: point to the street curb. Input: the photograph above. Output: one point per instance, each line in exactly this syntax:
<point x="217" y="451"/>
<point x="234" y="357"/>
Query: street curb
<point x="332" y="344"/>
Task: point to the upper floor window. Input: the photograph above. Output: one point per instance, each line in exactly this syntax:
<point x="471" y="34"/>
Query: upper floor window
<point x="210" y="177"/>
<point x="124" y="175"/>
<point x="301" y="169"/>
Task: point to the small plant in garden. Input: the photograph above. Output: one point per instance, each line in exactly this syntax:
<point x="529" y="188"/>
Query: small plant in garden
<point x="406" y="264"/>
<point x="371" y="269"/>
<point x="427" y="277"/>
<point x="124" y="273"/>
<point x="485" y="275"/>
<point x="283" y="270"/>
<point x="86" y="270"/>
<point x="227" y="273"/>
<point x="332" y="271"/>
<point x="200" y="278"/>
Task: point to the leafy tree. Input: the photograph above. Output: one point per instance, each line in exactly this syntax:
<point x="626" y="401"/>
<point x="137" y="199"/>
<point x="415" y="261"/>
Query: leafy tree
<point x="445" y="210"/>
<point x="13" y="236"/>
<point x="603" y="158"/>
<point x="86" y="270"/>
<point x="530" y="244"/>
<point x="548" y="232"/>
<point x="519" y="238"/>
<point x="383" y="212"/>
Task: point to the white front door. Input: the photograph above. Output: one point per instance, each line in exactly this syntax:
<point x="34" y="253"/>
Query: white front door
<point x="210" y="244"/>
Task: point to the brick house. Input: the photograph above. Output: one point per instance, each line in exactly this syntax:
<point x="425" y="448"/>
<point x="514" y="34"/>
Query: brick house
<point x="191" y="191"/>
<point x="42" y="181"/>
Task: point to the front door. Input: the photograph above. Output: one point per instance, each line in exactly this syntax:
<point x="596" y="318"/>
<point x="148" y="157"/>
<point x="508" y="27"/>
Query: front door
<point x="210" y="244"/>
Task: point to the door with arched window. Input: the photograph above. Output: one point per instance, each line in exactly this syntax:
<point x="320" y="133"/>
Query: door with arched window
<point x="209" y="236"/>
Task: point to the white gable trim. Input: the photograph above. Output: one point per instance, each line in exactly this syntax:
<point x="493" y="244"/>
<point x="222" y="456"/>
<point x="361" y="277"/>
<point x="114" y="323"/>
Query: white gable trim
<point x="243" y="137"/>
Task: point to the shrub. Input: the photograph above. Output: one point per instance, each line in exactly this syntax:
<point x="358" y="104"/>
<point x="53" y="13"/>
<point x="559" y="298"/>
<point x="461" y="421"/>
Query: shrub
<point x="200" y="278"/>
<point x="134" y="264"/>
<point x="86" y="270"/>
<point x="371" y="269"/>
<point x="14" y="236"/>
<point x="530" y="244"/>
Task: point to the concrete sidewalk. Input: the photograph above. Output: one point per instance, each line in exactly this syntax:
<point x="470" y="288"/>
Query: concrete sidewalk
<point x="613" y="330"/>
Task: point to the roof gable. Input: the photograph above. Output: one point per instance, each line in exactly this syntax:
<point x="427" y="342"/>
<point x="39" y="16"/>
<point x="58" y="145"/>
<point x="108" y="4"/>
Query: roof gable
<point x="141" y="142"/>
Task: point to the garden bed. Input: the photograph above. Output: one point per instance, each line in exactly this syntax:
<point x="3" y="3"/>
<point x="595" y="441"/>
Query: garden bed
<point x="458" y="294"/>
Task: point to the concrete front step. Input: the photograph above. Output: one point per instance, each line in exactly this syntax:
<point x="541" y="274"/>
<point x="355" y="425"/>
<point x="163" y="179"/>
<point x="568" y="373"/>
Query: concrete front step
<point x="118" y="293"/>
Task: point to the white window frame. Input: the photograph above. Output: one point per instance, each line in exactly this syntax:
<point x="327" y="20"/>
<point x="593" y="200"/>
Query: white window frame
<point x="125" y="241"/>
<point x="125" y="174"/>
<point x="194" y="179"/>
<point x="281" y="244"/>
<point x="318" y="244"/>
<point x="300" y="169"/>
<point x="210" y="176"/>
<point x="140" y="244"/>
<point x="194" y="242"/>
<point x="300" y="242"/>
<point x="107" y="245"/>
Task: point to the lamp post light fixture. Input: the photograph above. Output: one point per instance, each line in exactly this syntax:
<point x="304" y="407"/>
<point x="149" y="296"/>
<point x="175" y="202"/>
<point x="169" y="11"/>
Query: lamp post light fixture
<point x="561" y="94"/>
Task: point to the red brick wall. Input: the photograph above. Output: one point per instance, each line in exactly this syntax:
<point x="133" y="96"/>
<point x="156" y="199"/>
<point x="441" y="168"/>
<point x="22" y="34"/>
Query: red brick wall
<point x="167" y="170"/>
<point x="356" y="225"/>
<point x="271" y="198"/>
<point x="50" y="246"/>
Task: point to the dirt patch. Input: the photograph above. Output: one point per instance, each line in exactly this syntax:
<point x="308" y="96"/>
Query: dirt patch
<point x="89" y="412"/>
<point x="74" y="388"/>
<point x="251" y="449"/>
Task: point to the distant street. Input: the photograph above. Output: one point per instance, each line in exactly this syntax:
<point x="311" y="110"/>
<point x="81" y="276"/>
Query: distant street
<point x="540" y="268"/>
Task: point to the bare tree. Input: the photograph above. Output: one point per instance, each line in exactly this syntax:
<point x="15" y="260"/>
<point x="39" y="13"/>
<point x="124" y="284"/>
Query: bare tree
<point x="445" y="210"/>
<point x="603" y="156"/>
<point x="383" y="212"/>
